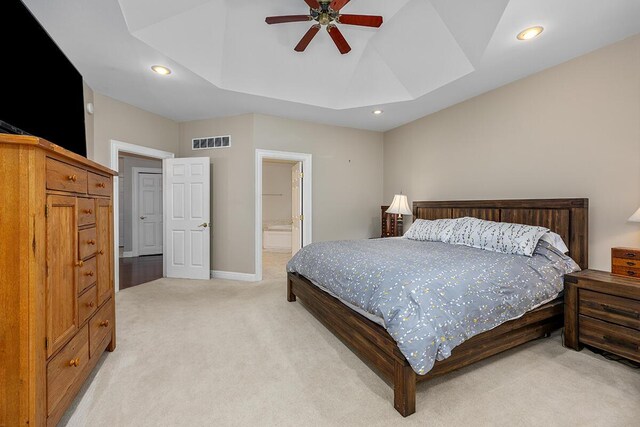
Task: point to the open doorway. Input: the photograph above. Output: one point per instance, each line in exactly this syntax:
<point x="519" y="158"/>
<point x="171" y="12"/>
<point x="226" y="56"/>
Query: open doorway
<point x="140" y="219"/>
<point x="281" y="214"/>
<point x="138" y="210"/>
<point x="283" y="209"/>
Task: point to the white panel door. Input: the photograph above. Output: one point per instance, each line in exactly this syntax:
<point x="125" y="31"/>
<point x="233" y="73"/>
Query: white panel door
<point x="187" y="221"/>
<point x="149" y="219"/>
<point x="296" y="208"/>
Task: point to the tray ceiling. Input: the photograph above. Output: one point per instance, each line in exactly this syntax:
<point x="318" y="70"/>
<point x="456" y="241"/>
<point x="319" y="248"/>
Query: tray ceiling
<point x="428" y="54"/>
<point x="422" y="46"/>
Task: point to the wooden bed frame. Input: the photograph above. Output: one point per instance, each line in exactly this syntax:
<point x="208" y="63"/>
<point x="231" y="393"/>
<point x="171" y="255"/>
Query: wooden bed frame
<point x="567" y="217"/>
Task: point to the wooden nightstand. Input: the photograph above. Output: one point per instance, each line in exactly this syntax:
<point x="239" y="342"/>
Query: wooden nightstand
<point x="390" y="226"/>
<point x="602" y="310"/>
<point x="625" y="262"/>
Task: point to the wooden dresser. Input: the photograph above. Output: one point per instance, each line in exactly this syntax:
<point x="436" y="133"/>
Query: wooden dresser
<point x="602" y="310"/>
<point x="56" y="277"/>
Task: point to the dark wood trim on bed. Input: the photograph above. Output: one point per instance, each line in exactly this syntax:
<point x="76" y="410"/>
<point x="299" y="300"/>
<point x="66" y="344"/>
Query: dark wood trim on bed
<point x="373" y="342"/>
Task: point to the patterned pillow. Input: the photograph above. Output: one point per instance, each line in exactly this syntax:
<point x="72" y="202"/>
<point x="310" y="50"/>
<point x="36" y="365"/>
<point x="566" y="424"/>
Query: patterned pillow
<point x="439" y="230"/>
<point x="502" y="237"/>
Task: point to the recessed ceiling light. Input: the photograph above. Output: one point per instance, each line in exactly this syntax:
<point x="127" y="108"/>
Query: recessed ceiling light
<point x="530" y="33"/>
<point x="377" y="112"/>
<point x="163" y="71"/>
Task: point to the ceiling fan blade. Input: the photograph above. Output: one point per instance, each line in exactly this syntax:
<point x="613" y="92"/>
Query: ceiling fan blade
<point x="338" y="39"/>
<point x="304" y="42"/>
<point x="362" y="20"/>
<point x="338" y="4"/>
<point x="313" y="4"/>
<point x="287" y="18"/>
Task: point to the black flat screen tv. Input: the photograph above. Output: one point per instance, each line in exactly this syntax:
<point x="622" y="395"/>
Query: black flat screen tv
<point x="41" y="92"/>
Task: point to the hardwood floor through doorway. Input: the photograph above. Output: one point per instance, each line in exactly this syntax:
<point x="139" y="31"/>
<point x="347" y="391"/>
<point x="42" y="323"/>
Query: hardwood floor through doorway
<point x="139" y="270"/>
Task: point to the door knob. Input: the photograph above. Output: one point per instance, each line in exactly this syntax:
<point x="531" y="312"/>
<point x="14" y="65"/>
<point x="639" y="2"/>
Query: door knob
<point x="205" y="225"/>
<point x="143" y="217"/>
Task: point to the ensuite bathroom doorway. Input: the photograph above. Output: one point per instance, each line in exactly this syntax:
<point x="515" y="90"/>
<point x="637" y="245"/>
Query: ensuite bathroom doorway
<point x="283" y="207"/>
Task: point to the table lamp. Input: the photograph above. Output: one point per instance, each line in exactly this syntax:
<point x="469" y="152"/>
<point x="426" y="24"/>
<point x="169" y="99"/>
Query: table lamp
<point x="399" y="207"/>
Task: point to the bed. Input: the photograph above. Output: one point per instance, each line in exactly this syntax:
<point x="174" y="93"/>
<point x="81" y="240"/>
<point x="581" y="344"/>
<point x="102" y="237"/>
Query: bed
<point x="566" y="217"/>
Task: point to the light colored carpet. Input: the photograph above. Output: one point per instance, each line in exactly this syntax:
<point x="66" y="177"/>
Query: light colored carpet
<point x="204" y="353"/>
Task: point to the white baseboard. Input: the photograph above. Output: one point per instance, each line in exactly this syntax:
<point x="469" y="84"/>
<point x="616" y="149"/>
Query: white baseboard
<point x="231" y="275"/>
<point x="126" y="254"/>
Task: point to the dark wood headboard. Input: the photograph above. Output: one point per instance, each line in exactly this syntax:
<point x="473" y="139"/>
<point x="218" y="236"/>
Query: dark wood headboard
<point x="567" y="217"/>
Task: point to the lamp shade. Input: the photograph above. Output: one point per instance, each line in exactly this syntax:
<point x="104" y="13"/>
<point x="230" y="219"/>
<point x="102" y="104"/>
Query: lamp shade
<point x="400" y="205"/>
<point x="635" y="217"/>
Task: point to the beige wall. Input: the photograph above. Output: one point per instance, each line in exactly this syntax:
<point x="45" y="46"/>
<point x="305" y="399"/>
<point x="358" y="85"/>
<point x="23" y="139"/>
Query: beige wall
<point x="123" y="122"/>
<point x="276" y="192"/>
<point x="232" y="195"/>
<point x="347" y="173"/>
<point x="347" y="180"/>
<point x="570" y="131"/>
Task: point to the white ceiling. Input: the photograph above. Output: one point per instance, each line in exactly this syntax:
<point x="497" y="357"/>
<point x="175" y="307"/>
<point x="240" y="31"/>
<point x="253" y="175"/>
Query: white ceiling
<point x="428" y="55"/>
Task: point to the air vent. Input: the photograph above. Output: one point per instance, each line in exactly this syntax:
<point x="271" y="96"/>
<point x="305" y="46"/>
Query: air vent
<point x="211" y="142"/>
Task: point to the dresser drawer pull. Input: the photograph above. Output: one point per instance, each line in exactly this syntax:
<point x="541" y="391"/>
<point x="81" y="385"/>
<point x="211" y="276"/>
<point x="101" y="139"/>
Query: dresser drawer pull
<point x="621" y="343"/>
<point x="91" y="242"/>
<point x="74" y="362"/>
<point x="630" y="255"/>
<point x="88" y="211"/>
<point x="626" y="313"/>
<point x="73" y="178"/>
<point x="79" y="263"/>
<point x="631" y="273"/>
<point x="104" y="323"/>
<point x="101" y="252"/>
<point x="89" y="273"/>
<point x="91" y="304"/>
<point x="100" y="185"/>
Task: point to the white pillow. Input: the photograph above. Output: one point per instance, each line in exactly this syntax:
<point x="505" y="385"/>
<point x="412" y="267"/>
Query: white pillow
<point x="556" y="241"/>
<point x="439" y="230"/>
<point x="502" y="237"/>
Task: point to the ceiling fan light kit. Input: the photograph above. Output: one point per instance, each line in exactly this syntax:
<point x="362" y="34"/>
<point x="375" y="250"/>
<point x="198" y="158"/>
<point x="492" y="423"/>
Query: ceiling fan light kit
<point x="327" y="14"/>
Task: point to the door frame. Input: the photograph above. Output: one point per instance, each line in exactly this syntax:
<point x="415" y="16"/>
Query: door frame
<point x="116" y="147"/>
<point x="135" y="238"/>
<point x="306" y="160"/>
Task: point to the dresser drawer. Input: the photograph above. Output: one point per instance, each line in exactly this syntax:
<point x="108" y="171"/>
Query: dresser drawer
<point x="87" y="243"/>
<point x="607" y="336"/>
<point x="86" y="211"/>
<point x="101" y="325"/>
<point x="64" y="177"/>
<point x="64" y="369"/>
<point x="87" y="274"/>
<point x="99" y="185"/>
<point x="87" y="304"/>
<point x="622" y="311"/>
<point x="626" y="271"/>
<point x="626" y="253"/>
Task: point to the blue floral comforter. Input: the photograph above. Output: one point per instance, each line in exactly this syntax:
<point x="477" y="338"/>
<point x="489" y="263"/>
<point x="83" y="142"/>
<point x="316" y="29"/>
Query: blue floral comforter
<point x="433" y="296"/>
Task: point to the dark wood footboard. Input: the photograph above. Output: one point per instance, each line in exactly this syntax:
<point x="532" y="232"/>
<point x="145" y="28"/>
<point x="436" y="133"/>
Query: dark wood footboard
<point x="373" y="342"/>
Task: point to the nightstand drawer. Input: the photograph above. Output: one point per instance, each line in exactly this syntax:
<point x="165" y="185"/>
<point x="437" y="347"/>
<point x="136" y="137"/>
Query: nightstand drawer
<point x="616" y="339"/>
<point x="622" y="311"/>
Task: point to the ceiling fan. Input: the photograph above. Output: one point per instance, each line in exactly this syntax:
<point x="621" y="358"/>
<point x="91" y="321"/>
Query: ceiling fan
<point x="327" y="12"/>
